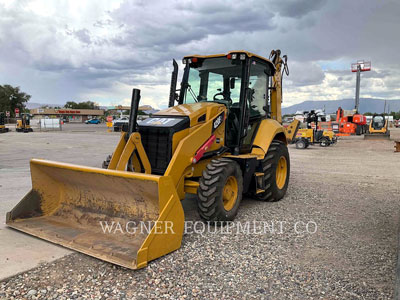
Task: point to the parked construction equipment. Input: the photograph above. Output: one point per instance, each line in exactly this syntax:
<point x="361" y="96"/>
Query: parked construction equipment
<point x="24" y="123"/>
<point x="378" y="128"/>
<point x="3" y="127"/>
<point x="306" y="137"/>
<point x="350" y="123"/>
<point x="222" y="139"/>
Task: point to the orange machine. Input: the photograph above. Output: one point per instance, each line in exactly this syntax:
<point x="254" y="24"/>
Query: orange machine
<point x="350" y="124"/>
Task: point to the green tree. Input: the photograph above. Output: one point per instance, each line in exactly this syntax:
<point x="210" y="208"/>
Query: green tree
<point x="396" y="115"/>
<point x="81" y="105"/>
<point x="12" y="98"/>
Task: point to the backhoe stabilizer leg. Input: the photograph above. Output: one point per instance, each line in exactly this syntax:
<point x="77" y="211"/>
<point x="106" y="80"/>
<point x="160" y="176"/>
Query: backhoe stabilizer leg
<point x="117" y="153"/>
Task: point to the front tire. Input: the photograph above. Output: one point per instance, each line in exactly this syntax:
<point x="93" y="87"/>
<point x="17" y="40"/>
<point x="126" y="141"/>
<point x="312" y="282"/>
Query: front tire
<point x="276" y="169"/>
<point x="220" y="190"/>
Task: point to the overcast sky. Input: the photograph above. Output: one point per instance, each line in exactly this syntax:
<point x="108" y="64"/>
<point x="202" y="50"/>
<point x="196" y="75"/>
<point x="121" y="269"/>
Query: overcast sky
<point x="98" y="50"/>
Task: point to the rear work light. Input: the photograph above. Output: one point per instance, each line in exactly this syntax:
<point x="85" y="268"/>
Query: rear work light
<point x="187" y="61"/>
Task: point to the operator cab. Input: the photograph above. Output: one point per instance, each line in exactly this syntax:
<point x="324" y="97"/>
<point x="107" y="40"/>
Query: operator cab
<point x="239" y="80"/>
<point x="378" y="122"/>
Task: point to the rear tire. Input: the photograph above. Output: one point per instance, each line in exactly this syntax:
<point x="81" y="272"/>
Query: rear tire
<point x="106" y="162"/>
<point x="301" y="144"/>
<point x="324" y="142"/>
<point x="220" y="190"/>
<point x="275" y="189"/>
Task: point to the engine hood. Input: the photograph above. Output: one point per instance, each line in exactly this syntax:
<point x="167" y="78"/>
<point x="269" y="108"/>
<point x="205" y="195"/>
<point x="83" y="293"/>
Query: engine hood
<point x="196" y="112"/>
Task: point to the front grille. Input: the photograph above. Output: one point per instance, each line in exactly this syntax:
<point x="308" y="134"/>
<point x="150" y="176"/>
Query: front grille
<point x="157" y="143"/>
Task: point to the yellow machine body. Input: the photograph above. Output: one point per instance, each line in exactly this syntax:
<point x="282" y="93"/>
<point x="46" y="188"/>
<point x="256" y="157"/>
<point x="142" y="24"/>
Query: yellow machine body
<point x="291" y="130"/>
<point x="378" y="128"/>
<point x="309" y="134"/>
<point x="23" y="124"/>
<point x="3" y="129"/>
<point x="381" y="130"/>
<point x="75" y="206"/>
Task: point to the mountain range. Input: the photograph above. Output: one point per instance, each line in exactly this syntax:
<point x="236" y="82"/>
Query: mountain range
<point x="330" y="106"/>
<point x="366" y="105"/>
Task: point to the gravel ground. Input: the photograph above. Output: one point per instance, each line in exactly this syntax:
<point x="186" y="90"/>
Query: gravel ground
<point x="348" y="193"/>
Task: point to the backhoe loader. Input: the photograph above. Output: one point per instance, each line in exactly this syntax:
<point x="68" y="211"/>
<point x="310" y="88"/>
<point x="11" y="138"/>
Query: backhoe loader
<point x="221" y="137"/>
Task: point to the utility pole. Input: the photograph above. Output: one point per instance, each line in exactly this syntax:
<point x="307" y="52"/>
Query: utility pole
<point x="384" y="108"/>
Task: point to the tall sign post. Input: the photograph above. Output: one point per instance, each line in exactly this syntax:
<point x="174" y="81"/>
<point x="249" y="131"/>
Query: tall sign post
<point x="359" y="66"/>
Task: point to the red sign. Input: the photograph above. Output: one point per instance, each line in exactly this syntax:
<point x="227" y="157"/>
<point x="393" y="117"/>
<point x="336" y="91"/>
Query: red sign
<point x="17" y="110"/>
<point x="7" y="114"/>
<point x="109" y="119"/>
<point x="68" y="111"/>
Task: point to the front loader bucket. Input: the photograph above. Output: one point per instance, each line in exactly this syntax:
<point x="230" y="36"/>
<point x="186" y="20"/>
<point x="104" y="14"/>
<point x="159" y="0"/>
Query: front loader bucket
<point x="125" y="218"/>
<point x="377" y="136"/>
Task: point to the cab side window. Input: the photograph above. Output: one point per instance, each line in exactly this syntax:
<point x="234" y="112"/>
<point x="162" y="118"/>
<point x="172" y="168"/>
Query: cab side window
<point x="258" y="85"/>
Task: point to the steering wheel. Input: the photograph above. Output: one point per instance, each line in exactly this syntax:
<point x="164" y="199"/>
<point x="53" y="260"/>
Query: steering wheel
<point x="223" y="100"/>
<point x="219" y="94"/>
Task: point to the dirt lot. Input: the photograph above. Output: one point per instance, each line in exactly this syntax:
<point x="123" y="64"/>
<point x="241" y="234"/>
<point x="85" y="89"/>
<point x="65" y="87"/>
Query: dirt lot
<point x="347" y="193"/>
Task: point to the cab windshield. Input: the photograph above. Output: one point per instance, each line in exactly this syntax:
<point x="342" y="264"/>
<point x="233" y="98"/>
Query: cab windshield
<point x="378" y="122"/>
<point x="215" y="79"/>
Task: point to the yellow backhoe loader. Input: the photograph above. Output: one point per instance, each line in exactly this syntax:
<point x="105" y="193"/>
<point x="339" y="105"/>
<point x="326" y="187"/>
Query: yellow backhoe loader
<point x="220" y="138"/>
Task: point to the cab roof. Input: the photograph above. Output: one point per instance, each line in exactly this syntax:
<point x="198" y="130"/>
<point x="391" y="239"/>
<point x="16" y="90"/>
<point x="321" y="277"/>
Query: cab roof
<point x="249" y="54"/>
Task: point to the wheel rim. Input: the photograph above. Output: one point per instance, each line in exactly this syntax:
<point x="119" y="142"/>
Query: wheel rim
<point x="230" y="193"/>
<point x="281" y="172"/>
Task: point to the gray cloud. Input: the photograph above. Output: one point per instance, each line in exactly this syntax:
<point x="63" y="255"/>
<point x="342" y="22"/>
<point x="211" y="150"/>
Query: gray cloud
<point x="56" y="51"/>
<point x="296" y="9"/>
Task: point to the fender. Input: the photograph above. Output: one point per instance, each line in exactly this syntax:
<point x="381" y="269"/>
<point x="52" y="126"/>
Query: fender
<point x="268" y="131"/>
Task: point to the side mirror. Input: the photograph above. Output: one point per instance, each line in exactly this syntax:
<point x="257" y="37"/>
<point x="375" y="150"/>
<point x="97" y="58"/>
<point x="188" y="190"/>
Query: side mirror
<point x="232" y="83"/>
